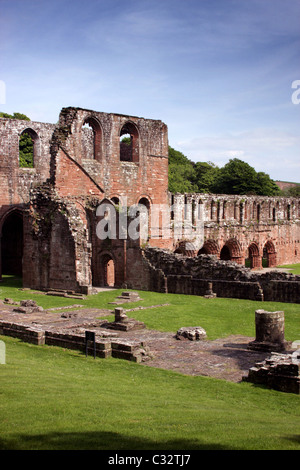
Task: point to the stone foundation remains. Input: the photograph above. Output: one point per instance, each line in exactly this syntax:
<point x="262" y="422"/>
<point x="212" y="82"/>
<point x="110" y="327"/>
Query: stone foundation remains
<point x="122" y="322"/>
<point x="280" y="372"/>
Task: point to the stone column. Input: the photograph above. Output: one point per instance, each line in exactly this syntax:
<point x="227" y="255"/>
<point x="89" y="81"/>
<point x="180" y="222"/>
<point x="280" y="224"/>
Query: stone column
<point x="269" y="331"/>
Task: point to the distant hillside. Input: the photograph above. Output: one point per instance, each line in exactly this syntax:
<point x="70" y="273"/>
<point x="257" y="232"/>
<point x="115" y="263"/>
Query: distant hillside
<point x="288" y="188"/>
<point x="286" y="185"/>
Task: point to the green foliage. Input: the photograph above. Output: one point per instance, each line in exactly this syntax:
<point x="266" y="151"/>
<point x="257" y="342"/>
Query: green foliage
<point x="26" y="150"/>
<point x="294" y="191"/>
<point x="181" y="173"/>
<point x="236" y="177"/>
<point x="126" y="140"/>
<point x="15" y="116"/>
<point x="206" y="175"/>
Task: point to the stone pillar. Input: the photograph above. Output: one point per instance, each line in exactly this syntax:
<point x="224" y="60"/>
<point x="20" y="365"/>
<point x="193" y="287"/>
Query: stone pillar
<point x="269" y="331"/>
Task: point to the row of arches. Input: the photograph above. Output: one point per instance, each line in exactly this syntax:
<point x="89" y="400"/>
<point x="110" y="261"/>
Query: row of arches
<point x="91" y="143"/>
<point x="255" y="257"/>
<point x="241" y="211"/>
<point x="92" y="138"/>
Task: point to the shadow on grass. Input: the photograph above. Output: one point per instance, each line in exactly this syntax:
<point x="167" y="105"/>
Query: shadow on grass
<point x="11" y="281"/>
<point x="98" y="441"/>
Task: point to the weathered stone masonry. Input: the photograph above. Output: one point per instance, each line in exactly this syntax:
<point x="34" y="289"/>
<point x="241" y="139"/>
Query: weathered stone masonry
<point x="48" y="215"/>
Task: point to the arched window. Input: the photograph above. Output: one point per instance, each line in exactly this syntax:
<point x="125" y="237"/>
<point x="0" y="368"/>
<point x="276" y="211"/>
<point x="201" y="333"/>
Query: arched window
<point x="129" y="143"/>
<point x="28" y="148"/>
<point x="91" y="139"/>
<point x="258" y="212"/>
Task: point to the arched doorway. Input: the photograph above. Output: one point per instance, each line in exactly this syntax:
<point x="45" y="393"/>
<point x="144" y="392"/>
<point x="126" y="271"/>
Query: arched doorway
<point x="12" y="244"/>
<point x="231" y="251"/>
<point x="108" y="266"/>
<point x="253" y="260"/>
<point x="269" y="255"/>
<point x="210" y="247"/>
<point x="225" y="253"/>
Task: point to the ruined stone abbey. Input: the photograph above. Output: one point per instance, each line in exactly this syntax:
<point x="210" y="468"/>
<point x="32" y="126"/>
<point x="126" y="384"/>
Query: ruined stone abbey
<point x="50" y="215"/>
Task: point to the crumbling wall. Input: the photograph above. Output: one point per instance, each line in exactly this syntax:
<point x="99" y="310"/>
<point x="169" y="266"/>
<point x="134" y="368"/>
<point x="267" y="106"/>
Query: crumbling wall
<point x="184" y="275"/>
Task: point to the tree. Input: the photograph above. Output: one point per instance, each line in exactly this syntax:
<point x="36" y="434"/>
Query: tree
<point x="181" y="173"/>
<point x="265" y="185"/>
<point x="238" y="177"/>
<point x="206" y="175"/>
<point x="15" y="116"/>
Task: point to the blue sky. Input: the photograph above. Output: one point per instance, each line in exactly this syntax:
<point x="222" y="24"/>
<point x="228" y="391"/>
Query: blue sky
<point x="219" y="73"/>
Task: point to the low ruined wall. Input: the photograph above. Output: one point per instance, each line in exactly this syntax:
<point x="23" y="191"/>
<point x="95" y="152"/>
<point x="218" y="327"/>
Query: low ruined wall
<point x="129" y="350"/>
<point x="222" y="288"/>
<point x="183" y="275"/>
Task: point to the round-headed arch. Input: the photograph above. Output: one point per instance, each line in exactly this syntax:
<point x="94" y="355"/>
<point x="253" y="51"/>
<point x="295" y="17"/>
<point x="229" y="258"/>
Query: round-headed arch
<point x="231" y="251"/>
<point x="29" y="148"/>
<point x="91" y="139"/>
<point x="269" y="254"/>
<point x="129" y="142"/>
<point x="210" y="247"/>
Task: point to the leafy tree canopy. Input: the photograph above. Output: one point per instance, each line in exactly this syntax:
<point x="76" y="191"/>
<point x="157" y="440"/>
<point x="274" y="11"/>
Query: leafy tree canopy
<point x="15" y="116"/>
<point x="236" y="177"/>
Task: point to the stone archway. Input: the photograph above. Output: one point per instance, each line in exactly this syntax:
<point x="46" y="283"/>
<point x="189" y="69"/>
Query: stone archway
<point x="269" y="255"/>
<point x="254" y="258"/>
<point x="186" y="248"/>
<point x="231" y="251"/>
<point x="210" y="247"/>
<point x="225" y="254"/>
<point x="108" y="270"/>
<point x="12" y="244"/>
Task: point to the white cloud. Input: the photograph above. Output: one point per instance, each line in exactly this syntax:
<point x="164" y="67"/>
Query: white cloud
<point x="268" y="150"/>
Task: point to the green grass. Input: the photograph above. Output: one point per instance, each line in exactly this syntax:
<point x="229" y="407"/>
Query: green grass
<point x="294" y="268"/>
<point x="219" y="317"/>
<point x="58" y="399"/>
<point x="53" y="398"/>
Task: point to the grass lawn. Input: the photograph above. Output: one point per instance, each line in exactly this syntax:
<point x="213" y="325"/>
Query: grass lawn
<point x="295" y="268"/>
<point x="219" y="317"/>
<point x="58" y="399"/>
<point x="52" y="398"/>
